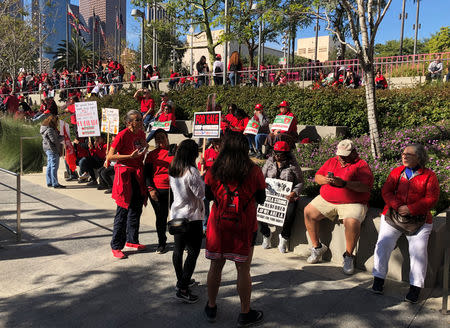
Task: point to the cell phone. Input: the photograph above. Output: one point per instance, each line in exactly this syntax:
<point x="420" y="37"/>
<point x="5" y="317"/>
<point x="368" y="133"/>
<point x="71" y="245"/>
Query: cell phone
<point x="141" y="151"/>
<point x="330" y="174"/>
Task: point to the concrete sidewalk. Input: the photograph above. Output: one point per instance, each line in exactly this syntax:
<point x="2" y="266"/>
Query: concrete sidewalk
<point x="63" y="275"/>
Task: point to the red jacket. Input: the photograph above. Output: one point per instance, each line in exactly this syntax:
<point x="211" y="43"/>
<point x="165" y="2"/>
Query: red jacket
<point x="420" y="193"/>
<point x="122" y="188"/>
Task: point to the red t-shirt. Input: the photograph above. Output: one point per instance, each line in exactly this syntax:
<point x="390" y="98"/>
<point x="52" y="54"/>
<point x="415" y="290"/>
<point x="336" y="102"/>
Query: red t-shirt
<point x="160" y="160"/>
<point x="228" y="121"/>
<point x="133" y="78"/>
<point x="127" y="142"/>
<point x="147" y="104"/>
<point x="210" y="157"/>
<point x="99" y="151"/>
<point x="240" y="125"/>
<point x="357" y="171"/>
<point x="163" y="117"/>
<point x="71" y="109"/>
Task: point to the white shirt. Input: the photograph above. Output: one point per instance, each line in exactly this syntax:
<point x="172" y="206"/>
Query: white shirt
<point x="218" y="63"/>
<point x="188" y="193"/>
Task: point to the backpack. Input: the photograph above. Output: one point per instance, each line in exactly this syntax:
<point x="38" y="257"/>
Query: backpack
<point x="217" y="69"/>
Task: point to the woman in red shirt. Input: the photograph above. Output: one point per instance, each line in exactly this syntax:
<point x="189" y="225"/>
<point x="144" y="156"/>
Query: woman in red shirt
<point x="157" y="179"/>
<point x="147" y="105"/>
<point x="290" y="136"/>
<point x="380" y="81"/>
<point x="166" y="115"/>
<point x="235" y="184"/>
<point x="410" y="189"/>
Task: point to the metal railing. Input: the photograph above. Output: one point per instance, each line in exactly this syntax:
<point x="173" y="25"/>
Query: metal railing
<point x="445" y="275"/>
<point x="21" y="150"/>
<point x="18" y="231"/>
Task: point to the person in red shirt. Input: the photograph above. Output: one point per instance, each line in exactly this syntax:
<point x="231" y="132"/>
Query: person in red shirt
<point x="173" y="79"/>
<point x="229" y="119"/>
<point x="380" y="81"/>
<point x="241" y="121"/>
<point x="95" y="160"/>
<point x="346" y="182"/>
<point x="157" y="178"/>
<point x="289" y="136"/>
<point x="129" y="191"/>
<point x="410" y="190"/>
<point x="166" y="115"/>
<point x="133" y="77"/>
<point x="232" y="225"/>
<point x="147" y="105"/>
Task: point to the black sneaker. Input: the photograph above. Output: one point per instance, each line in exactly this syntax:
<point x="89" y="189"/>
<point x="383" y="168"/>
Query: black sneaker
<point x="377" y="286"/>
<point x="210" y="312"/>
<point x="161" y="249"/>
<point x="191" y="284"/>
<point x="413" y="294"/>
<point x="109" y="191"/>
<point x="186" y="296"/>
<point x="251" y="318"/>
<point x="102" y="187"/>
<point x="92" y="183"/>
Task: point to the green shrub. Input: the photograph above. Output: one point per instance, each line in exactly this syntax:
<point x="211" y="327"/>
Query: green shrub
<point x="33" y="155"/>
<point x="397" y="108"/>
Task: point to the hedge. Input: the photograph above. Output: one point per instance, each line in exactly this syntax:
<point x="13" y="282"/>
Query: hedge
<point x="397" y="108"/>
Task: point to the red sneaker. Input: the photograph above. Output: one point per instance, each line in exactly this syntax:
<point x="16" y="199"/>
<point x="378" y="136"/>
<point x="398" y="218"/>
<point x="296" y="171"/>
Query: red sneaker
<point x="118" y="254"/>
<point x="138" y="247"/>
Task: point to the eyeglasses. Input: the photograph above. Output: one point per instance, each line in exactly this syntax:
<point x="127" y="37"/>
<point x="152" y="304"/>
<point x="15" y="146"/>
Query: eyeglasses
<point x="408" y="155"/>
<point x="137" y="120"/>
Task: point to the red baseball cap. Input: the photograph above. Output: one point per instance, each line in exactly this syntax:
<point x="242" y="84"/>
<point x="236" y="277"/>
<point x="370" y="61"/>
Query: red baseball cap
<point x="259" y="107"/>
<point x="218" y="56"/>
<point x="281" y="146"/>
<point x="284" y="103"/>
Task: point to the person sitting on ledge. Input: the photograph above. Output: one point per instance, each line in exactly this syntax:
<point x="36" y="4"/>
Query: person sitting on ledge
<point x="346" y="182"/>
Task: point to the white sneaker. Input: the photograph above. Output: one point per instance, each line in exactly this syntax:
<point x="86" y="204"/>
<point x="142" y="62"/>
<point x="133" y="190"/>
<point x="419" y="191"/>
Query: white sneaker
<point x="266" y="241"/>
<point x="348" y="267"/>
<point x="316" y="254"/>
<point x="282" y="246"/>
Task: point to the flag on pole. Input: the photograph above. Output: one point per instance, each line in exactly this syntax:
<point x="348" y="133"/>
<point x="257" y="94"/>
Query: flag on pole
<point x="70" y="13"/>
<point x="102" y="33"/>
<point x="83" y="28"/>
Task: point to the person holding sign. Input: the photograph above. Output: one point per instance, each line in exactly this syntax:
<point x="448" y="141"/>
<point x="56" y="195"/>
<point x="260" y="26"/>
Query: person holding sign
<point x="256" y="140"/>
<point x="346" y="181"/>
<point x="283" y="166"/>
<point x="129" y="192"/>
<point x="167" y="115"/>
<point x="285" y="129"/>
<point x="235" y="184"/>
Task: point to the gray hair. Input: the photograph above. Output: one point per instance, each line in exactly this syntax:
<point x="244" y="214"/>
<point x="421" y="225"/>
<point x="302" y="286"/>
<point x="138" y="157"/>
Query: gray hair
<point x="421" y="152"/>
<point x="131" y="113"/>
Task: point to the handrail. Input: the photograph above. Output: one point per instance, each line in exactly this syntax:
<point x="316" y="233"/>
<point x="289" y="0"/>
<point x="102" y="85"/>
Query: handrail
<point x="18" y="231"/>
<point x="445" y="275"/>
<point x="21" y="150"/>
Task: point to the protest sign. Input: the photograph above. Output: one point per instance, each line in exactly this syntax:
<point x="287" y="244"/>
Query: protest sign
<point x="110" y="120"/>
<point x="274" y="209"/>
<point x="161" y="125"/>
<point x="282" y="123"/>
<point x="206" y="125"/>
<point x="252" y="127"/>
<point x="87" y="119"/>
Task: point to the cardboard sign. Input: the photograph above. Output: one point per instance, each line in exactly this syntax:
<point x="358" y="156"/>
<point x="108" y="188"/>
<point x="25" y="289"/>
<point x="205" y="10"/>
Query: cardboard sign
<point x="206" y="125"/>
<point x="282" y="123"/>
<point x="87" y="119"/>
<point x="161" y="125"/>
<point x="252" y="127"/>
<point x="274" y="209"/>
<point x="110" y="117"/>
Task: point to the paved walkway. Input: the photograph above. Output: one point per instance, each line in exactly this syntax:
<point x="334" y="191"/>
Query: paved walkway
<point x="63" y="275"/>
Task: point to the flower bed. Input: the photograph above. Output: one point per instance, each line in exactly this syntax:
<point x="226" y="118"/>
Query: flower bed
<point x="435" y="138"/>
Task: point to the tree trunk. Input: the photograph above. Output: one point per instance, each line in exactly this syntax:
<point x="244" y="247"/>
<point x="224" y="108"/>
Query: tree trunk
<point x="375" y="144"/>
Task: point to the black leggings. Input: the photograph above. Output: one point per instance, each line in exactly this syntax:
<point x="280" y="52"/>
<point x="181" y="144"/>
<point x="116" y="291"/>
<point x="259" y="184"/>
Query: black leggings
<point x="161" y="208"/>
<point x="287" y="225"/>
<point x="192" y="241"/>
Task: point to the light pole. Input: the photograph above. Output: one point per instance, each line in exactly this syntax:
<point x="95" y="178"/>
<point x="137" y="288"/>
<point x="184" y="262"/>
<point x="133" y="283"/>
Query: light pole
<point x="225" y="53"/>
<point x="258" y="77"/>
<point x="402" y="16"/>
<point x="417" y="26"/>
<point x="317" y="35"/>
<point x="191" y="63"/>
<point x="138" y="13"/>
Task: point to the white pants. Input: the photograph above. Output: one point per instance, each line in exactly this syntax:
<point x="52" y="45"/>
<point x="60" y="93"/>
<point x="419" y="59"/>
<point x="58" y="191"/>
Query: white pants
<point x="418" y="254"/>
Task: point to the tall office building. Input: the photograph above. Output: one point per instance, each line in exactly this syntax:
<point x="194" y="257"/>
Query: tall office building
<point x="50" y="18"/>
<point x="111" y="13"/>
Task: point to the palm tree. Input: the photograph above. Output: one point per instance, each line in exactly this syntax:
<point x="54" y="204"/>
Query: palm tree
<point x="79" y="52"/>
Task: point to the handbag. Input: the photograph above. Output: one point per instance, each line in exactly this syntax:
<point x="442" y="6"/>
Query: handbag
<point x="407" y="224"/>
<point x="177" y="226"/>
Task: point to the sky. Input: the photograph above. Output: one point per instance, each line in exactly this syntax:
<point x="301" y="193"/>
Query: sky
<point x="433" y="15"/>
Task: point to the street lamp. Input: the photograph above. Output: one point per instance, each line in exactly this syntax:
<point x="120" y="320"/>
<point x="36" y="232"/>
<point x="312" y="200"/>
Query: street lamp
<point x="258" y="82"/>
<point x="138" y="13"/>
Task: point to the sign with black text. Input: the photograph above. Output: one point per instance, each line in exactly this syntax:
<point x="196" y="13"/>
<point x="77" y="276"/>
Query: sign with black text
<point x="206" y="125"/>
<point x="87" y="119"/>
<point x="274" y="209"/>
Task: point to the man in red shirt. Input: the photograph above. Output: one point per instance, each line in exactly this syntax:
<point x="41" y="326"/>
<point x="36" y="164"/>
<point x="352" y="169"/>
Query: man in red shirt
<point x="129" y="190"/>
<point x="346" y="182"/>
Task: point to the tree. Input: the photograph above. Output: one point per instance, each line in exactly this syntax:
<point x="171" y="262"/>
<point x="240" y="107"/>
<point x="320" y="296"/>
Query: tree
<point x="392" y="48"/>
<point x="440" y="42"/>
<point x="364" y="18"/>
<point x="18" y="38"/>
<point x="76" y="44"/>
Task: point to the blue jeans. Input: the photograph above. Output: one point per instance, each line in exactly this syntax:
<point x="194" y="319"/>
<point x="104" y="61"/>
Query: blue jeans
<point x="233" y="79"/>
<point x="52" y="168"/>
<point x="256" y="142"/>
<point x="148" y="119"/>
